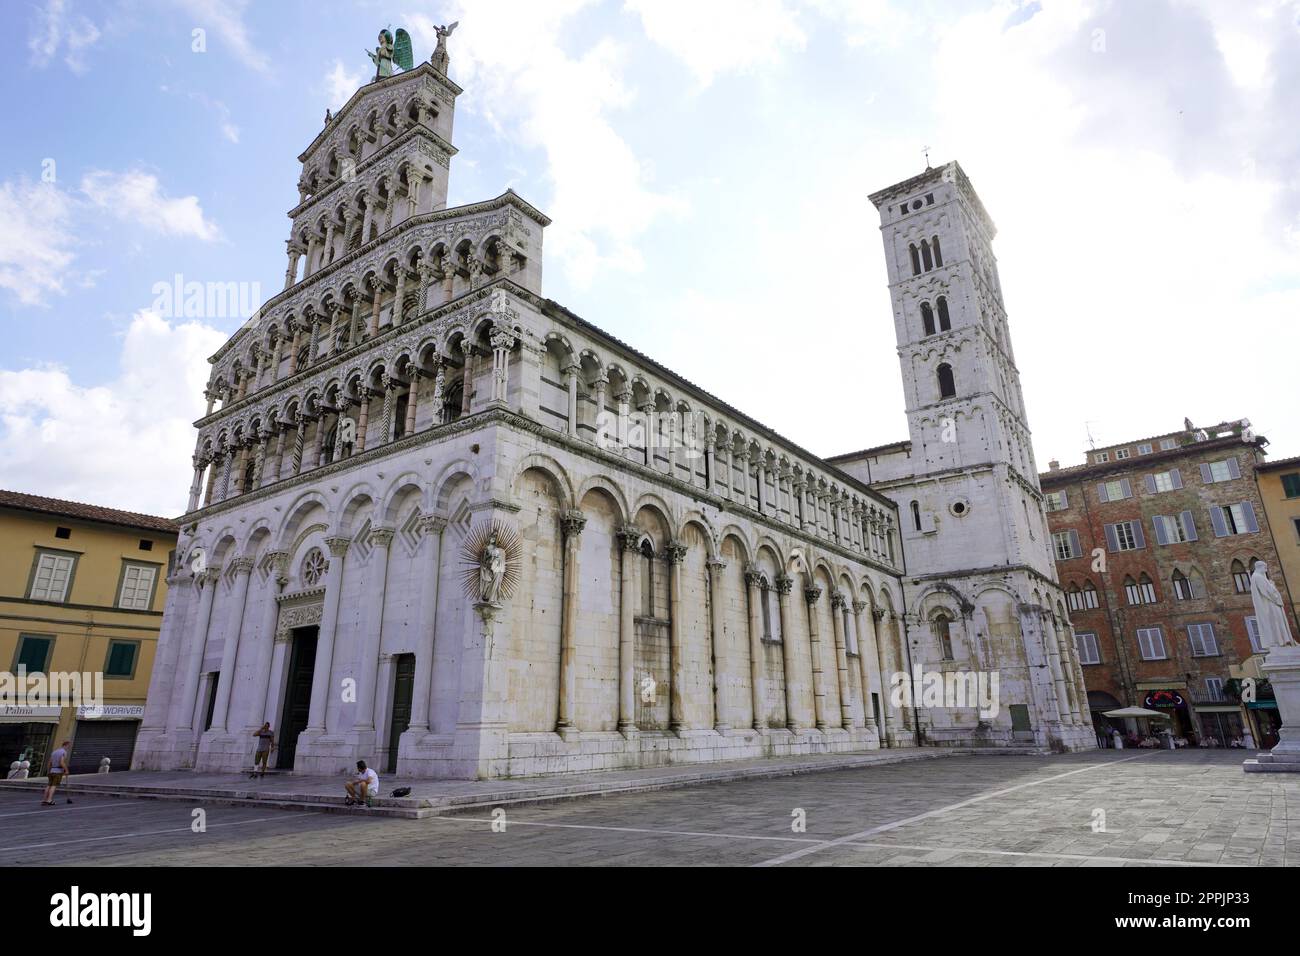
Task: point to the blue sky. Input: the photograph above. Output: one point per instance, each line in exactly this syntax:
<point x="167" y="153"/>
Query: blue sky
<point x="707" y="167"/>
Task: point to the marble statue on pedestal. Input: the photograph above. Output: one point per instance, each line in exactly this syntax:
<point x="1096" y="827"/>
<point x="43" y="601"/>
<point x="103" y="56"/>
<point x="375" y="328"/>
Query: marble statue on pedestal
<point x="1270" y="610"/>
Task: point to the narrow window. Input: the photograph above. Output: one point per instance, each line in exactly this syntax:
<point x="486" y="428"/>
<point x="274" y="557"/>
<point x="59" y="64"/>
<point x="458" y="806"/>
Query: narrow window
<point x="916" y="516"/>
<point x="926" y="259"/>
<point x="944" y="324"/>
<point x="916" y="260"/>
<point x="647" y="579"/>
<point x="947" y="386"/>
<point x="938" y="256"/>
<point x="927" y="318"/>
<point x="943" y="634"/>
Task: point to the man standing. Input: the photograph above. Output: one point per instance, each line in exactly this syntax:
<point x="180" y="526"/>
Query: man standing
<point x="58" y="773"/>
<point x="265" y="744"/>
<point x="362" y="787"/>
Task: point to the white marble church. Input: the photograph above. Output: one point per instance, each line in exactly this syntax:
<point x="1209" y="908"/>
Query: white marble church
<point x="670" y="582"/>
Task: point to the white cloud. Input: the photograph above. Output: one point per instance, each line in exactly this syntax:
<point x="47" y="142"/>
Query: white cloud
<point x="35" y="240"/>
<point x="721" y="36"/>
<point x="341" y="83"/>
<point x="136" y="196"/>
<point x="55" y="28"/>
<point x="125" y="444"/>
<point x="226" y="18"/>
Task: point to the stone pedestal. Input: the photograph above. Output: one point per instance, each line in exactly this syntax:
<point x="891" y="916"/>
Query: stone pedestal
<point x="1282" y="668"/>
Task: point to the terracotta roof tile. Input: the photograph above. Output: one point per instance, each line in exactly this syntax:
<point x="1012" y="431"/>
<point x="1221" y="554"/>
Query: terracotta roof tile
<point x="76" y="509"/>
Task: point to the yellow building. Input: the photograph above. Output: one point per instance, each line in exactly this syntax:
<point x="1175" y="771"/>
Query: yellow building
<point x="1279" y="489"/>
<point x="82" y="590"/>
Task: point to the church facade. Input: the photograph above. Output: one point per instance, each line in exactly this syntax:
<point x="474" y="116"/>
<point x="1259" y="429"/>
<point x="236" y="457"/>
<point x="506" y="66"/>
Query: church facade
<point x="442" y="524"/>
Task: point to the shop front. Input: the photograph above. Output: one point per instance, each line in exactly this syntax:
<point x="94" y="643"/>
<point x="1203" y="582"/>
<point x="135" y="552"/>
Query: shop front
<point x="27" y="733"/>
<point x="106" y="731"/>
<point x="1173" y="703"/>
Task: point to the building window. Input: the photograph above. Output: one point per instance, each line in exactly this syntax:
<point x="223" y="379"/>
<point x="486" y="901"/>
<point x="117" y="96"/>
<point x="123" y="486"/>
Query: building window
<point x="1252" y="631"/>
<point x="927" y="318"/>
<point x="947" y="384"/>
<point x="764" y="591"/>
<point x="1144" y="449"/>
<point x="33" y="653"/>
<point x="1057" y="501"/>
<point x="927" y="261"/>
<point x="1174" y="529"/>
<point x="1291" y="485"/>
<point x="941" y="304"/>
<point x="1234" y="519"/>
<point x="1214" y="688"/>
<point x="1085" y="642"/>
<point x="146" y="544"/>
<point x="1295" y="524"/>
<point x="938" y="253"/>
<point x="1115" y="490"/>
<point x="1084" y="600"/>
<point x="916" y="516"/>
<point x="399" y="415"/>
<point x="1121" y="454"/>
<point x="52" y="576"/>
<point x="1065" y="545"/>
<point x="1089" y="596"/>
<point x="314" y="567"/>
<point x="1140" y="592"/>
<point x="1101" y="457"/>
<point x="1240" y="578"/>
<point x="850" y="634"/>
<point x="1201" y="637"/>
<point x="136" y="592"/>
<point x="1188" y="588"/>
<point x="942" y="627"/>
<point x="1151" y="644"/>
<point x="1164" y="481"/>
<point x="647" y="579"/>
<point x="916" y="260"/>
<point x="1125" y="536"/>
<point x="121" y="659"/>
<point x="63" y="533"/>
<point x="1168" y="444"/>
<point x="1215" y="471"/>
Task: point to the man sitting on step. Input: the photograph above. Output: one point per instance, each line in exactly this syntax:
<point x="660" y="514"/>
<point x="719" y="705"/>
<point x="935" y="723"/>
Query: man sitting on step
<point x="362" y="787"/>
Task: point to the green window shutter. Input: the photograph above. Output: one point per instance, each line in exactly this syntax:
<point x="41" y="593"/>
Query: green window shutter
<point x="35" y="653"/>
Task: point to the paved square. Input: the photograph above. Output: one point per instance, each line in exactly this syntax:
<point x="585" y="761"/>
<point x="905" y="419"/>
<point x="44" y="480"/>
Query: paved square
<point x="1160" y="808"/>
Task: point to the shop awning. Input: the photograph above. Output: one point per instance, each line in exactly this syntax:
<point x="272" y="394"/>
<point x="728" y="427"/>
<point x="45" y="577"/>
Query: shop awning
<point x="1136" y="712"/>
<point x="16" y="714"/>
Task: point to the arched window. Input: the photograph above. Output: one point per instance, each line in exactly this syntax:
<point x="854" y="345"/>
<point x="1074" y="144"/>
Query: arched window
<point x="941" y="624"/>
<point x="926" y="260"/>
<point x="249" y="470"/>
<point x="452" y="399"/>
<point x="1240" y="577"/>
<point x="1182" y="586"/>
<point x="942" y="304"/>
<point x="647" y="579"/>
<point x="301" y="360"/>
<point x="1131" y="591"/>
<point x="1074" y="597"/>
<point x="916" y="516"/>
<point x="327" y="447"/>
<point x="1089" y="595"/>
<point x="938" y="256"/>
<point x="1147" y="589"/>
<point x="947" y="385"/>
<point x="927" y="318"/>
<point x="916" y="260"/>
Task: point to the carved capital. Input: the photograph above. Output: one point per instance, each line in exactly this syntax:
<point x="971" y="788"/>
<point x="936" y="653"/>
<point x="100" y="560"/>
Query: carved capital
<point x="381" y="537"/>
<point x="859" y="607"/>
<point x="716" y="566"/>
<point x="572" y="522"/>
<point x="675" y="553"/>
<point x="753" y="575"/>
<point x="432" y="524"/>
<point x="784" y="583"/>
<point x="629" y="537"/>
<point x="338" y="546"/>
<point x="837" y="601"/>
<point x="811" y="595"/>
<point x="242" y="565"/>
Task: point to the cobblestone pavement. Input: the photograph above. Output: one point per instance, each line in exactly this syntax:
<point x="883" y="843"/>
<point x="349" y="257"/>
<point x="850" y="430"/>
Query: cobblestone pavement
<point x="1160" y="808"/>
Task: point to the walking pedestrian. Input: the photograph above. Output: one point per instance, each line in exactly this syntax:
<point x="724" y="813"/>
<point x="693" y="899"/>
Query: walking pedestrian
<point x="265" y="744"/>
<point x="58" y="772"/>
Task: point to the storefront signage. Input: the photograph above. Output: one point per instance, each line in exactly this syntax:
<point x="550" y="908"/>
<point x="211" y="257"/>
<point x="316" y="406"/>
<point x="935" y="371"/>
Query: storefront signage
<point x="1164" y="698"/>
<point x="112" y="712"/>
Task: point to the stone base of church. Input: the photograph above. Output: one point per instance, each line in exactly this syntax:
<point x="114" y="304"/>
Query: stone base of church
<point x="547" y="754"/>
<point x="225" y="751"/>
<point x="1058" y="739"/>
<point x="157" y="750"/>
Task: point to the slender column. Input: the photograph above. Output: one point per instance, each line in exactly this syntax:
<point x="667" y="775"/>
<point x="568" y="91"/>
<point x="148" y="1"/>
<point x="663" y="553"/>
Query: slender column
<point x="367" y="218"/>
<point x="426" y="281"/>
<point x="571" y="525"/>
<point x="412" y="401"/>
<point x="503" y="340"/>
<point x="710" y="469"/>
<point x="320" y="682"/>
<point x="294" y="348"/>
<point x="760" y="475"/>
<point x="413" y="195"/>
<point x="784" y="583"/>
<point x="275" y="582"/>
<point x="648" y="411"/>
<point x="864" y="666"/>
<point x="259" y="460"/>
<point x="332" y="345"/>
<point x="212" y="400"/>
<point x="398" y="295"/>
<point x="363" y="418"/>
<point x="1058" y="675"/>
<point x="328" y="254"/>
<point x="312" y="244"/>
<point x="279" y="455"/>
<point x="882" y="658"/>
<point x="372" y="632"/>
<point x="295" y="458"/>
<point x="431" y="527"/>
<point x="467" y="382"/>
<point x="291" y="270"/>
<point x="571" y="373"/>
<point x="317" y="441"/>
<point x="387" y="182"/>
<point x="214" y="467"/>
<point x="196" y="485"/>
<point x="448" y="277"/>
<point x="624" y="400"/>
<point x="674" y="554"/>
<point x="194" y="666"/>
<point x="243" y="568"/>
<point x="756" y="678"/>
<point x="815" y="651"/>
<point x="717" y="587"/>
<point x="439" y="393"/>
<point x="390" y="399"/>
<point x="628" y="554"/>
<point x="372" y="329"/>
<point x="842" y="660"/>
